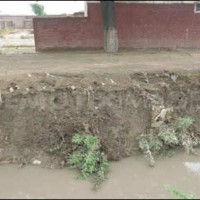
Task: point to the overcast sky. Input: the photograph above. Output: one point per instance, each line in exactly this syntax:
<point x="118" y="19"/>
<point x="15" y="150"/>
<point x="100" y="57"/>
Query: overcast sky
<point x="51" y="7"/>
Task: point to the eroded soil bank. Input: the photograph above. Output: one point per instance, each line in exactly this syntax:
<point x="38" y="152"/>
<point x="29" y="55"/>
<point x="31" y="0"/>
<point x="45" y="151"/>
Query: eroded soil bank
<point x="41" y="112"/>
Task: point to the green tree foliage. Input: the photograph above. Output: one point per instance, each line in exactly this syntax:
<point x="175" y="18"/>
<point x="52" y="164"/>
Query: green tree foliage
<point x="38" y="9"/>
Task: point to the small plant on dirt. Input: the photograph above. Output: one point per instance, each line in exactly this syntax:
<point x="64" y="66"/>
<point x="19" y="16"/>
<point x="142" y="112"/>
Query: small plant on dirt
<point x="184" y="123"/>
<point x="56" y="148"/>
<point x="167" y="137"/>
<point x="178" y="193"/>
<point x="150" y="145"/>
<point x="185" y="138"/>
<point x="88" y="158"/>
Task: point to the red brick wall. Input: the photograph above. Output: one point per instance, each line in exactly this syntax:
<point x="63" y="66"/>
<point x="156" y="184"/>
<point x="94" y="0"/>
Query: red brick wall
<point x="66" y="32"/>
<point x="139" y="26"/>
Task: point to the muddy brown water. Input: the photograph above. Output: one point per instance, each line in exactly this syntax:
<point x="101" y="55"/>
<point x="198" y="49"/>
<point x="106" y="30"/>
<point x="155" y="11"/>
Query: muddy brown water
<point x="128" y="178"/>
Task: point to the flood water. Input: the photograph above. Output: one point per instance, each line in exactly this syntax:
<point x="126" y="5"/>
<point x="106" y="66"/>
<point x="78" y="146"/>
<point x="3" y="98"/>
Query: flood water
<point x="128" y="178"/>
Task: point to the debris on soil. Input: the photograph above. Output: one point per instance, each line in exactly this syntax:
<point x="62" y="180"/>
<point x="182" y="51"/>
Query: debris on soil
<point x="50" y="75"/>
<point x="174" y="77"/>
<point x="30" y="90"/>
<point x="113" y="82"/>
<point x="13" y="86"/>
<point x="72" y="87"/>
<point x="163" y="112"/>
<point x="11" y="89"/>
<point x="193" y="166"/>
<point x="37" y="162"/>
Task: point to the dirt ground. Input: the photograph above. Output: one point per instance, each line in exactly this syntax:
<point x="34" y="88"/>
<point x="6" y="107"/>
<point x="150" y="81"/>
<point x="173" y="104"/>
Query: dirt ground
<point x="16" y="37"/>
<point x="18" y="56"/>
<point x="100" y="62"/>
<point x="45" y="98"/>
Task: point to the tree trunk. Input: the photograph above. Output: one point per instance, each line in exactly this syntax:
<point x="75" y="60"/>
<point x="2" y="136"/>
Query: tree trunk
<point x="110" y="33"/>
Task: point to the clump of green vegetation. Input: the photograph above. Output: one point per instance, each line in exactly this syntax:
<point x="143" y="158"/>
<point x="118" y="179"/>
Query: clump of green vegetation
<point x="7" y="31"/>
<point x="184" y="123"/>
<point x="56" y="148"/>
<point x="150" y="145"/>
<point x="88" y="158"/>
<point x="178" y="193"/>
<point x="186" y="139"/>
<point x="167" y="137"/>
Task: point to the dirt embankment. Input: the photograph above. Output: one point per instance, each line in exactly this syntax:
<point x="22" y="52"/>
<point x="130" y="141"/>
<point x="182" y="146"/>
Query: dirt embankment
<point x="41" y="112"/>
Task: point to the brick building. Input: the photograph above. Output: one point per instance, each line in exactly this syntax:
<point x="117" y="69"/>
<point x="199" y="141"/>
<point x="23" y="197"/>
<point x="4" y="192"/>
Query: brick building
<point x="18" y="21"/>
<point x="140" y="24"/>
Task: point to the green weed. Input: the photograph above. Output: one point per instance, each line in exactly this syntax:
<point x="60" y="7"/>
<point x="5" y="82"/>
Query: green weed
<point x="167" y="137"/>
<point x="56" y="148"/>
<point x="178" y="193"/>
<point x="88" y="158"/>
<point x="184" y="123"/>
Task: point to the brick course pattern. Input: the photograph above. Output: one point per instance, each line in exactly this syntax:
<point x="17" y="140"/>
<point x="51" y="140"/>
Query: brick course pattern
<point x="139" y="26"/>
